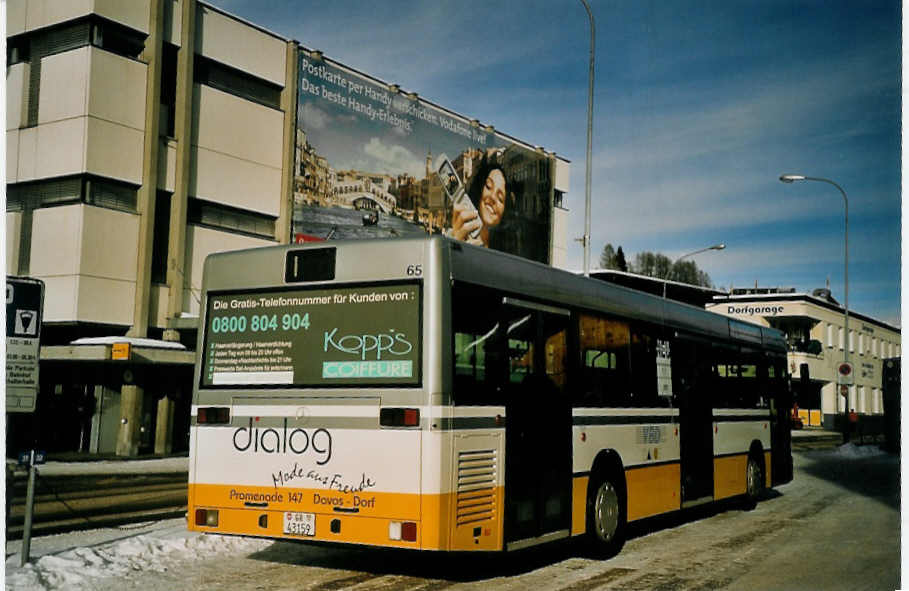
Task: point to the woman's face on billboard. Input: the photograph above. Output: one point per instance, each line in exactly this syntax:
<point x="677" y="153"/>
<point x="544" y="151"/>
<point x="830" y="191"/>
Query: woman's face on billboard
<point x="492" y="200"/>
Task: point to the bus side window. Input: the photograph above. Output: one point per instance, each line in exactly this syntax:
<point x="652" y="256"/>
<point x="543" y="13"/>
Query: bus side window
<point x="604" y="346"/>
<point x="481" y="353"/>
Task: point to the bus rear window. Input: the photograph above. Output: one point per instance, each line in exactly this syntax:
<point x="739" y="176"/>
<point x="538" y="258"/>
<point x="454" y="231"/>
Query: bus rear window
<point x="341" y="336"/>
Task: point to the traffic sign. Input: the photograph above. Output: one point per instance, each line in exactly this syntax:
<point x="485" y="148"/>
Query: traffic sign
<point x="40" y="457"/>
<point x="24" y="309"/>
<point x="845" y="373"/>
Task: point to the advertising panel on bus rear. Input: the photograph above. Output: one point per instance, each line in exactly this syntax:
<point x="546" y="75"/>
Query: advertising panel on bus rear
<point x="342" y="336"/>
<point x="373" y="161"/>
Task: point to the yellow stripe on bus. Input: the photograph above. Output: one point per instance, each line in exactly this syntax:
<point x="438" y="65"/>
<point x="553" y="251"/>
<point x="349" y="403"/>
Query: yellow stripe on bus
<point x="653" y="490"/>
<point x="579" y="505"/>
<point x="441" y="524"/>
<point x="729" y="475"/>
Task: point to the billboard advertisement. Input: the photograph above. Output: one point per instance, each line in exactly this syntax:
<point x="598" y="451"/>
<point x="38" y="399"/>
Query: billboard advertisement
<point x="372" y="161"/>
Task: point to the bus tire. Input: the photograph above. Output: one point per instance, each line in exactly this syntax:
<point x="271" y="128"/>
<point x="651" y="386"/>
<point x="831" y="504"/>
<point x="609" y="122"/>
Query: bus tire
<point x="606" y="519"/>
<point x="754" y="481"/>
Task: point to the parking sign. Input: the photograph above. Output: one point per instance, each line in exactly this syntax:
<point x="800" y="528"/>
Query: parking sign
<point x="24" y="309"/>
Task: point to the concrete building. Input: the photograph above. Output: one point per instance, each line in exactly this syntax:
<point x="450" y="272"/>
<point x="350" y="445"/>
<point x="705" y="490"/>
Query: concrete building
<point x="814" y="326"/>
<point x="142" y="136"/>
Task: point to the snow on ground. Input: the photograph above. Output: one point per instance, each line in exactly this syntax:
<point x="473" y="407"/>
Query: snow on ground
<point x="86" y="559"/>
<point x="851" y="450"/>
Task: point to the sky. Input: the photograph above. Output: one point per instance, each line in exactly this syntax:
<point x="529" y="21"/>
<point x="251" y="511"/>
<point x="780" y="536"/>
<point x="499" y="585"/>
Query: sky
<point x="699" y="107"/>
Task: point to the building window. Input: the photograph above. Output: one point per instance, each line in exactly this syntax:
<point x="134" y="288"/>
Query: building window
<point x="168" y="96"/>
<point x="236" y="82"/>
<point x="66" y="191"/>
<point x="605" y="346"/>
<point x="840" y="337"/>
<point x="116" y="38"/>
<point x="557" y="198"/>
<point x="35" y="195"/>
<point x="231" y="219"/>
<point x="110" y="194"/>
<point x="830" y="335"/>
<point x="17" y="50"/>
<point x="161" y="238"/>
<point x="861" y="344"/>
<point x="852" y="341"/>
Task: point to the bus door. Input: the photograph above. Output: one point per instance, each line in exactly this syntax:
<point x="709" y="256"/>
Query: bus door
<point x="780" y="426"/>
<point x="538" y="422"/>
<point x="692" y="396"/>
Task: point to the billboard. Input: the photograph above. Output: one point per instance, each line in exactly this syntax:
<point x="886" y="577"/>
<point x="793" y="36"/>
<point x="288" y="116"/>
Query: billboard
<point x="372" y="161"/>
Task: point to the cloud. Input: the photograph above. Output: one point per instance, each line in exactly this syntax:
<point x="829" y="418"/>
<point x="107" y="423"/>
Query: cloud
<point x="313" y="117"/>
<point x="380" y="157"/>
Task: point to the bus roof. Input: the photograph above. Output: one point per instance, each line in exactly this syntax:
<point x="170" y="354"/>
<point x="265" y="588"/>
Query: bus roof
<point x="491" y="268"/>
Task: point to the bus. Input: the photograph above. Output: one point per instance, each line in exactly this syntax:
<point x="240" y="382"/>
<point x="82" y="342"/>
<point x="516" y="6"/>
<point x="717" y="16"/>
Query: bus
<point x="428" y="394"/>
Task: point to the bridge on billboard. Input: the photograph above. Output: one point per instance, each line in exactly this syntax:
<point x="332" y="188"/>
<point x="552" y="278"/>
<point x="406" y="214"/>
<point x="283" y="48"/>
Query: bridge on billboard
<point x="364" y="200"/>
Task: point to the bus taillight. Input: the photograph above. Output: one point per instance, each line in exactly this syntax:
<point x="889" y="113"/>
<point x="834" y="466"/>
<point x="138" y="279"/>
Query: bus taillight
<point x="406" y="531"/>
<point x="207" y="517"/>
<point x="213" y="415"/>
<point x="399" y="417"/>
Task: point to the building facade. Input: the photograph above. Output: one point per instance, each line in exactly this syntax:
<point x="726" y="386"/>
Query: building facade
<point x="143" y="136"/>
<point x="814" y="325"/>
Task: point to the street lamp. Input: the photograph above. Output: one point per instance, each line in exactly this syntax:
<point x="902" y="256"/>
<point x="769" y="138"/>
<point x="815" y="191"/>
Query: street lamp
<point x="791" y="178"/>
<point x="586" y="238"/>
<point x="719" y="246"/>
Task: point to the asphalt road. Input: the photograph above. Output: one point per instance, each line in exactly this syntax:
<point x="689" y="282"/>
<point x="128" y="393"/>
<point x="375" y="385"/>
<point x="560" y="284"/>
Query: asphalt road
<point x="836" y="526"/>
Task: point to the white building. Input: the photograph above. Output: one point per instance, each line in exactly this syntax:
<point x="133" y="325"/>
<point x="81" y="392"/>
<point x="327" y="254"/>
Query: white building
<point x="814" y="325"/>
<point x="141" y="137"/>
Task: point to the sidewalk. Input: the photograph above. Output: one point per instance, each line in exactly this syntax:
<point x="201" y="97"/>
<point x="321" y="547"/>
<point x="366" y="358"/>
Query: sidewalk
<point x="811" y="433"/>
<point x="89" y="465"/>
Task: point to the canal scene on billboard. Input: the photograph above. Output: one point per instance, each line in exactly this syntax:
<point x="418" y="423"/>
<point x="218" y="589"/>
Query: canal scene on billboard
<point x="372" y="161"/>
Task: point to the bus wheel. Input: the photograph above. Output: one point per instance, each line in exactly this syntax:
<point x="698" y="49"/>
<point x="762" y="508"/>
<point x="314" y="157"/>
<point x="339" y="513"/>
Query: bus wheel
<point x="605" y="517"/>
<point x="754" y="482"/>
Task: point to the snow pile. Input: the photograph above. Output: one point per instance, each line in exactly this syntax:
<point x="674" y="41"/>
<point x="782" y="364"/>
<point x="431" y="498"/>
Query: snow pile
<point x="84" y="567"/>
<point x="851" y="450"/>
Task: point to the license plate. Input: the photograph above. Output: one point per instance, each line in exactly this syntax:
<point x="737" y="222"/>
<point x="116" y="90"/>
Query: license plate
<point x="299" y="524"/>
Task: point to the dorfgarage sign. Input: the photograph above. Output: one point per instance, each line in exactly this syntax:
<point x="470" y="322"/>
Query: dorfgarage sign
<point x="769" y="310"/>
<point x="24" y="308"/>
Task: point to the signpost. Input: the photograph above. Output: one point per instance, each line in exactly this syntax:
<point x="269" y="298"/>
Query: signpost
<point x="845" y="374"/>
<point x="32" y="458"/>
<point x="24" y="311"/>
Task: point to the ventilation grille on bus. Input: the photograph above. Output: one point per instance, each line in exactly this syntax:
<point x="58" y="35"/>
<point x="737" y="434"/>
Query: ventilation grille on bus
<point x="476" y="486"/>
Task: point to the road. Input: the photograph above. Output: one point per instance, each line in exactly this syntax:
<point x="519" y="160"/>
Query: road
<point x="836" y="526"/>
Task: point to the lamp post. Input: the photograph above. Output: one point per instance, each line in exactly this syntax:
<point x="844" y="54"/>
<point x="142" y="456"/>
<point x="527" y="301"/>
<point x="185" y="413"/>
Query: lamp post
<point x="791" y="178"/>
<point x="719" y="246"/>
<point x="586" y="238"/>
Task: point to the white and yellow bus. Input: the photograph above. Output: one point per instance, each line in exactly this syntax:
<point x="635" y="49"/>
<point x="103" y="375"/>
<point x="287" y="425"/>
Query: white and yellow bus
<point x="427" y="394"/>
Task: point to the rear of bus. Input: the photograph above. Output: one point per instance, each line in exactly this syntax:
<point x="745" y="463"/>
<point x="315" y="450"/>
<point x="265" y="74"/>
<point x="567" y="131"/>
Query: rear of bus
<point x="312" y="395"/>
